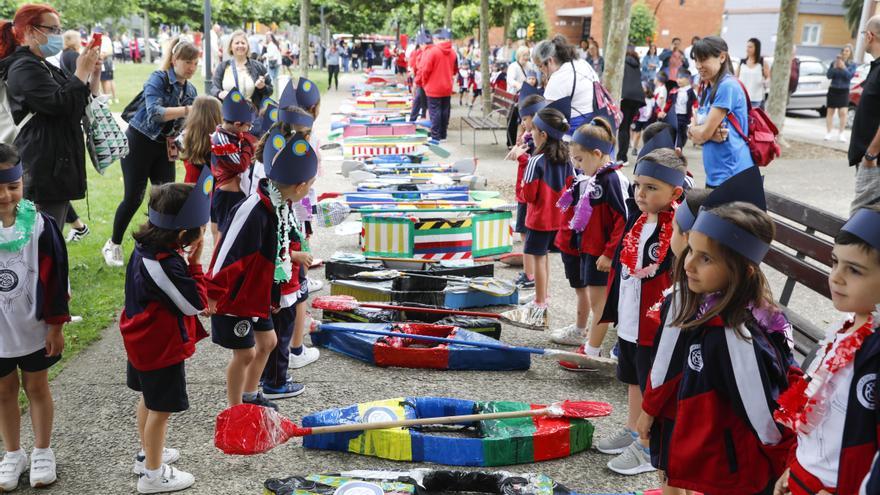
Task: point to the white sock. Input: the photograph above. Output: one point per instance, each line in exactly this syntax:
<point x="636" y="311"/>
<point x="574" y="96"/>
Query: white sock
<point x="582" y="331"/>
<point x="592" y="351"/>
<point x="153" y="473"/>
<point x="250" y="395"/>
<point x="16" y="453"/>
<point x="41" y="451"/>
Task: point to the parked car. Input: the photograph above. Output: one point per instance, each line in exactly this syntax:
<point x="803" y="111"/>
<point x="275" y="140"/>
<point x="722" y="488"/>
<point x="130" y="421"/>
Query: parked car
<point x="855" y="95"/>
<point x="812" y="88"/>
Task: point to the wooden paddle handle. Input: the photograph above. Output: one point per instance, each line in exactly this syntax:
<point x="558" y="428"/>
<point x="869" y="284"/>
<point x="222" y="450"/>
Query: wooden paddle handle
<point x="443" y="420"/>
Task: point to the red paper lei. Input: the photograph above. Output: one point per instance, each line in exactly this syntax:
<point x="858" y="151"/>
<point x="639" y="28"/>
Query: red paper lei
<point x="629" y="255"/>
<point x="804" y="401"/>
<point x="224" y="149"/>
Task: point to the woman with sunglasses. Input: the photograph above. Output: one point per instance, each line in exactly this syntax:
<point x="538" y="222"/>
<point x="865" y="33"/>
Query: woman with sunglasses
<point x="47" y="105"/>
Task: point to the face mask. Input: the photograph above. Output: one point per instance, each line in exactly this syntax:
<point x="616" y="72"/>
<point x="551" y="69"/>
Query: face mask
<point x="53" y="45"/>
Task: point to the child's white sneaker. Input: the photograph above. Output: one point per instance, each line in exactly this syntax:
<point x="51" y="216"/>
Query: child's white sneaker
<point x="169" y="456"/>
<point x="308" y="356"/>
<point x="634" y="460"/>
<point x="569" y="335"/>
<point x="842" y="138"/>
<point x="42" y="467"/>
<point x="615" y="443"/>
<point x="168" y="480"/>
<point x="11" y="468"/>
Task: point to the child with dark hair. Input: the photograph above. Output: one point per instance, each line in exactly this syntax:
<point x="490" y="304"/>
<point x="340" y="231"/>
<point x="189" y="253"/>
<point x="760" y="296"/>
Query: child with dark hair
<point x="164" y="295"/>
<point x="643" y="120"/>
<point x="640" y="273"/>
<point x="542" y="185"/>
<point x="834" y="409"/>
<point x="34" y="310"/>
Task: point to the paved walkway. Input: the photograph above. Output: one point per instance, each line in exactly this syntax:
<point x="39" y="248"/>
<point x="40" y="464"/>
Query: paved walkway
<point x="95" y="437"/>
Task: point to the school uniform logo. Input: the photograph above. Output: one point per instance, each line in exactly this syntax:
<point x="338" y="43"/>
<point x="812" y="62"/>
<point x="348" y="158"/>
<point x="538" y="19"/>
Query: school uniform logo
<point x="8" y="280"/>
<point x="242" y="328"/>
<point x="866" y="391"/>
<point x="15" y="278"/>
<point x="695" y="358"/>
<point x="597" y="192"/>
<point x="654" y="251"/>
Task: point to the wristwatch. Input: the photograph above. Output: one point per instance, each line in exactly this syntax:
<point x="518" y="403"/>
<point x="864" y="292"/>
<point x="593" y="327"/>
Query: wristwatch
<point x="870" y="157"/>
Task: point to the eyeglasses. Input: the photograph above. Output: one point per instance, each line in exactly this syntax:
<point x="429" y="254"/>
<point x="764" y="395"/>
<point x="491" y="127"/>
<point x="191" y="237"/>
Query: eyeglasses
<point x="51" y="29"/>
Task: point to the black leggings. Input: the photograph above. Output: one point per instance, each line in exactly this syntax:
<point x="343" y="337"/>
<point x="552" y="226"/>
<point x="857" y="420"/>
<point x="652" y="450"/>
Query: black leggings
<point x="147" y="159"/>
<point x="629" y="109"/>
<point x="333" y="72"/>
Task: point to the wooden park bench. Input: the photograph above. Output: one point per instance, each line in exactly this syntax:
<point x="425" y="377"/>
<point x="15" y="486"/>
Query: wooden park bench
<point x="502" y="102"/>
<point x="797" y="226"/>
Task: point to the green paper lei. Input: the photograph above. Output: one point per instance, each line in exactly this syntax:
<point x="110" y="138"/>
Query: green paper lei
<point x="25" y="215"/>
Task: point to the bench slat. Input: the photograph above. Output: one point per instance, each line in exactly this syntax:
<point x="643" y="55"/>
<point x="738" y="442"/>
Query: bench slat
<point x="804" y="214"/>
<point x="806" y="335"/>
<point x="806" y="274"/>
<point x="804" y="243"/>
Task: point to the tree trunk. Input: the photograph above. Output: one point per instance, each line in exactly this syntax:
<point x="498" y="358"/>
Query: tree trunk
<point x="304" y="37"/>
<point x="781" y="70"/>
<point x="607" y="15"/>
<point x="147" y="53"/>
<point x="615" y="49"/>
<point x="508" y="13"/>
<point x="484" y="56"/>
<point x="421" y="15"/>
<point x="447" y="20"/>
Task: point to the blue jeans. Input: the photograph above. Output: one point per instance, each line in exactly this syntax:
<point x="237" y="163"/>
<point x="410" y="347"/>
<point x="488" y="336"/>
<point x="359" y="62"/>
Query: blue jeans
<point x="438" y="110"/>
<point x="420" y="104"/>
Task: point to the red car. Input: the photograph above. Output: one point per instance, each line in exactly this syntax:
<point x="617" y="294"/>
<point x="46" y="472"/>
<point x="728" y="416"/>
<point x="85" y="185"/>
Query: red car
<point x="855" y="94"/>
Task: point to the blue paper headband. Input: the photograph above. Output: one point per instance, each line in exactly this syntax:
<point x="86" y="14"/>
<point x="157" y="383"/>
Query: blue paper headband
<point x="592" y="143"/>
<point x="684" y="217"/>
<point x="531" y="110"/>
<point x="653" y="169"/>
<point x="732" y="236"/>
<point x="11" y="174"/>
<point x="866" y="225"/>
<point x="551" y="131"/>
<point x="295" y="118"/>
<point x="196" y="210"/>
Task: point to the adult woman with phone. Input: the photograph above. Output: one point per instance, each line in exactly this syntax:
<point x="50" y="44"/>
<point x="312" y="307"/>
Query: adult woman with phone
<point x="48" y="105"/>
<point x="152" y="136"/>
<point x="239" y="71"/>
<point x="841" y="73"/>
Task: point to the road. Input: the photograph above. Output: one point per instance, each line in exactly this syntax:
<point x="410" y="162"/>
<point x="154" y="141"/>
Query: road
<point x="95" y="436"/>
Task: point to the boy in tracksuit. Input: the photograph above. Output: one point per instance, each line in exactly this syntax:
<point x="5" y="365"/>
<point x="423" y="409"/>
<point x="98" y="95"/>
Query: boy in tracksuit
<point x="679" y="109"/>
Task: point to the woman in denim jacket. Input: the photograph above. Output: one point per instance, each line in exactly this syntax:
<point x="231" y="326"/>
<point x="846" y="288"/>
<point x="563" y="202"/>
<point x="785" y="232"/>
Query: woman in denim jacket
<point x="151" y="133"/>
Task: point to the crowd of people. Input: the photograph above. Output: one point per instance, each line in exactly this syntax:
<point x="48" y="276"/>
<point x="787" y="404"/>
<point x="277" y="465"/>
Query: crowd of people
<point x="715" y="399"/>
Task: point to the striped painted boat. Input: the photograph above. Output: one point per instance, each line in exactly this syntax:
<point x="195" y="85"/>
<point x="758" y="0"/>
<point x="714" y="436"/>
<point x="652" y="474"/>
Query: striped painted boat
<point x="421" y="481"/>
<point x="487" y="443"/>
<point x="403" y="352"/>
<point x="334" y="269"/>
<point x="489" y="327"/>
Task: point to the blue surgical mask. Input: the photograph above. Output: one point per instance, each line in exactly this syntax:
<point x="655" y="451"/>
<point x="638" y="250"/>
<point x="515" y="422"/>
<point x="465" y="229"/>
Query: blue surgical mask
<point x="53" y="45"/>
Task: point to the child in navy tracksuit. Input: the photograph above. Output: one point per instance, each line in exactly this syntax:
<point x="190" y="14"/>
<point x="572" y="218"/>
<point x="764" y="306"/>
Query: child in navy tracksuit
<point x="639" y="274"/>
<point x="253" y="282"/>
<point x="835" y="413"/>
<point x="164" y="294"/>
<point x="33" y="311"/>
<point x="593" y="221"/>
<point x="735" y="360"/>
<point x="543" y="183"/>
<point x="680" y="102"/>
<point x="232" y="153"/>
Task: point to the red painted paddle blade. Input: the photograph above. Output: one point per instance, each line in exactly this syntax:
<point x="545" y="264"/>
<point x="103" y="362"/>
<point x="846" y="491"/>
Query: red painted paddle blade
<point x="248" y="429"/>
<point x="585" y="409"/>
<point x="335" y="303"/>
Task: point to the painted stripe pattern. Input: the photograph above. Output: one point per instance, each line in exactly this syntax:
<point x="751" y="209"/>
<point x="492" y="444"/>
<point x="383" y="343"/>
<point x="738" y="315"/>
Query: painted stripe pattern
<point x="443" y="239"/>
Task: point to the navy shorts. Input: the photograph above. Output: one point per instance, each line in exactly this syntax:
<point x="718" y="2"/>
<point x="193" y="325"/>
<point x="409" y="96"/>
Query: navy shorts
<point x="573" y="272"/>
<point x="234" y="332"/>
<point x="222" y="203"/>
<point x="539" y="242"/>
<point x="633" y="363"/>
<point x="520" y="226"/>
<point x="33" y="362"/>
<point x="591" y="275"/>
<point x="164" y="389"/>
<point x="639" y="126"/>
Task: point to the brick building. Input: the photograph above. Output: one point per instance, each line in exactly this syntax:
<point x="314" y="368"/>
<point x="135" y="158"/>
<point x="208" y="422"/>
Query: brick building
<point x="579" y="19"/>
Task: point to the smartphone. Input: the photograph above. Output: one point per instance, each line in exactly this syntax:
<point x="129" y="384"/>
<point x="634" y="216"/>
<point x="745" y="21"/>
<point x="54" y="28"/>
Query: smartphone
<point x="96" y="40"/>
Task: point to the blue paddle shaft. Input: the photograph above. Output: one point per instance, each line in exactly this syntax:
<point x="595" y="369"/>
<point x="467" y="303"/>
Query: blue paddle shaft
<point x="427" y="338"/>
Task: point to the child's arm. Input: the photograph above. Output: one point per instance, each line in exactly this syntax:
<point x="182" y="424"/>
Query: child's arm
<point x="53" y="295"/>
<point x="177" y="285"/>
<point x="531" y="185"/>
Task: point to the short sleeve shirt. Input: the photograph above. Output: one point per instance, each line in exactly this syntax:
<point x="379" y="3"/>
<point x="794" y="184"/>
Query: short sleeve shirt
<point x="726" y="159"/>
<point x="867" y="118"/>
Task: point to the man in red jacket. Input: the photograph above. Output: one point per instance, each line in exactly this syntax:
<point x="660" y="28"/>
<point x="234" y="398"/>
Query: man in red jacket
<point x="420" y="101"/>
<point x="436" y="68"/>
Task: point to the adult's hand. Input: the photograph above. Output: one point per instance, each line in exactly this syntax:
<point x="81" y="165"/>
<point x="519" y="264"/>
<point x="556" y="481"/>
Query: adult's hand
<point x="88" y="63"/>
<point x="260" y="83"/>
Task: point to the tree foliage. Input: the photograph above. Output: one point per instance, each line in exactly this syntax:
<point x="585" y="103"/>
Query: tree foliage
<point x="642" y="24"/>
<point x="8" y="8"/>
<point x="523" y="17"/>
<point x="853" y="13"/>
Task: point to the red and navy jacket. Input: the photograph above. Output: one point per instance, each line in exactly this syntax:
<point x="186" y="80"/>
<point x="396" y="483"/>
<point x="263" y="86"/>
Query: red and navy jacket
<point x="565" y="238"/>
<point x="242" y="273"/>
<point x="542" y="185"/>
<point x="52" y="295"/>
<point x="672" y="97"/>
<point x="163" y="298"/>
<point x="871" y="485"/>
<point x="652" y="287"/>
<point x="724" y="439"/>
<point x="231" y="154"/>
<point x="605" y="229"/>
<point x="861" y="432"/>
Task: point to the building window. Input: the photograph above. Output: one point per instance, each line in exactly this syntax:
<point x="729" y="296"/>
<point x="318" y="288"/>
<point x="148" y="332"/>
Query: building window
<point x="811" y="34"/>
